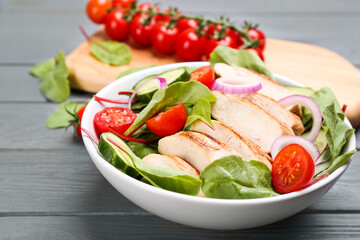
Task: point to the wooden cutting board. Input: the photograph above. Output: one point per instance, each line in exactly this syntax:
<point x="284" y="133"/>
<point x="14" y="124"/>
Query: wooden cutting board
<point x="310" y="65"/>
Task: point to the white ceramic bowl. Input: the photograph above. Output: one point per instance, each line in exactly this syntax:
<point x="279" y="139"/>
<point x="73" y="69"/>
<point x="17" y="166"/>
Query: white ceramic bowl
<point x="196" y="211"/>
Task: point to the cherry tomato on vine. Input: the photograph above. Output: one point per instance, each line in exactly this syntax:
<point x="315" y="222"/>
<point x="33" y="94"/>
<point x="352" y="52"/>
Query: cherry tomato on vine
<point x="148" y="6"/>
<point x="259" y="35"/>
<point x="115" y="25"/>
<point x="185" y="23"/>
<point x="163" y="38"/>
<point x="204" y="75"/>
<point x="212" y="27"/>
<point x="169" y="122"/>
<point x="258" y="52"/>
<point x="162" y="18"/>
<point x="236" y="36"/>
<point x="140" y="33"/>
<point x="213" y="43"/>
<point x="293" y="169"/>
<point x="96" y="10"/>
<point x="189" y="46"/>
<point x="79" y="114"/>
<point x="118" y="118"/>
<point x="122" y="3"/>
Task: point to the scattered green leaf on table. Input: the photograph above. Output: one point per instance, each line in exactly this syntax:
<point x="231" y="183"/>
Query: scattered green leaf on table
<point x="64" y="115"/>
<point x="132" y="70"/>
<point x="240" y="58"/>
<point x="231" y="177"/>
<point x="200" y="111"/>
<point x="40" y="69"/>
<point x="111" y="52"/>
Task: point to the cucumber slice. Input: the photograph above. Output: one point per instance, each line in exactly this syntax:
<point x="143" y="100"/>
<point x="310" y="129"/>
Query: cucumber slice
<point x="115" y="156"/>
<point x="306" y="91"/>
<point x="172" y="76"/>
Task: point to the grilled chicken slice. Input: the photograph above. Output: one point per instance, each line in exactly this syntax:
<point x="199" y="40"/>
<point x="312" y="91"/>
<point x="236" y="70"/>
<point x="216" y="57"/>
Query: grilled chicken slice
<point x="275" y="109"/>
<point x="248" y="120"/>
<point x="246" y="149"/>
<point x="269" y="88"/>
<point x="196" y="148"/>
<point x="172" y="162"/>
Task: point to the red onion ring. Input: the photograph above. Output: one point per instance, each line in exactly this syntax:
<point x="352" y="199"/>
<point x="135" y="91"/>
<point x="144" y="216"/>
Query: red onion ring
<point x="312" y="106"/>
<point x="163" y="84"/>
<point x="236" y="85"/>
<point x="286" y="140"/>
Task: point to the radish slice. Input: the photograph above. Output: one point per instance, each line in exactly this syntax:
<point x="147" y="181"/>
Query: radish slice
<point x="312" y="106"/>
<point x="286" y="140"/>
<point x="163" y="84"/>
<point x="236" y="85"/>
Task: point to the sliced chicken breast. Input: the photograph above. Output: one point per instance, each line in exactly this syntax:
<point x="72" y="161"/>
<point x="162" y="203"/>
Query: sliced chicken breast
<point x="244" y="147"/>
<point x="196" y="148"/>
<point x="269" y="88"/>
<point x="275" y="109"/>
<point x="172" y="162"/>
<point x="248" y="120"/>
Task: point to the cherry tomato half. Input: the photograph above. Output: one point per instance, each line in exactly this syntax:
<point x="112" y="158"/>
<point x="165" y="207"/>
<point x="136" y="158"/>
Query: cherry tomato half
<point x="80" y="114"/>
<point x="169" y="122"/>
<point x="259" y="35"/>
<point x="115" y="25"/>
<point x="213" y="43"/>
<point x="293" y="169"/>
<point x="140" y="33"/>
<point x="204" y="75"/>
<point x="119" y="118"/>
<point x="189" y="46"/>
<point x="163" y="38"/>
<point x="96" y="10"/>
<point x="122" y="3"/>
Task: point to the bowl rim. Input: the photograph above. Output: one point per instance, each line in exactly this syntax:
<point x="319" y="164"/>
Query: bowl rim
<point x="90" y="147"/>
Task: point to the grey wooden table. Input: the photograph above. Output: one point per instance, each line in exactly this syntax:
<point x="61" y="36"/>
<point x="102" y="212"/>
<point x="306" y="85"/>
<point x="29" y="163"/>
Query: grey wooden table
<point x="50" y="189"/>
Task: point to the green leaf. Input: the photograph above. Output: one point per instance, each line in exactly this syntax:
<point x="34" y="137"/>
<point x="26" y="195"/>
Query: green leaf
<point x="53" y="73"/>
<point x="320" y="141"/>
<point x="306" y="91"/>
<point x="323" y="97"/>
<point x="340" y="161"/>
<point x="132" y="70"/>
<point x="141" y="150"/>
<point x="241" y="58"/>
<point x="232" y="178"/>
<point x="200" y="111"/>
<point x="64" y="115"/>
<point x="323" y="162"/>
<point x="111" y="52"/>
<point x="181" y="92"/>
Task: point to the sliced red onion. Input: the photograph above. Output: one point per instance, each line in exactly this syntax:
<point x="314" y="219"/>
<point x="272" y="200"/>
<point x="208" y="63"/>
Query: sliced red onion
<point x="286" y="140"/>
<point x="163" y="84"/>
<point x="312" y="106"/>
<point x="236" y="85"/>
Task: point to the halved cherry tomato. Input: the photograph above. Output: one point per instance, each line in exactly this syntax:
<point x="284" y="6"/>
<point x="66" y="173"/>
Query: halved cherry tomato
<point x="122" y="3"/>
<point x="115" y="25"/>
<point x="80" y="114"/>
<point x="169" y="122"/>
<point x="293" y="169"/>
<point x="139" y="32"/>
<point x="259" y="35"/>
<point x="204" y="75"/>
<point x="163" y="38"/>
<point x="185" y="23"/>
<point x="97" y="10"/>
<point x="119" y="118"/>
<point x="189" y="46"/>
<point x="213" y="43"/>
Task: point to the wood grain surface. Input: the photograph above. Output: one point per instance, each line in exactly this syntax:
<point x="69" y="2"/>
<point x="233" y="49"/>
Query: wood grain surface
<point x="50" y="189"/>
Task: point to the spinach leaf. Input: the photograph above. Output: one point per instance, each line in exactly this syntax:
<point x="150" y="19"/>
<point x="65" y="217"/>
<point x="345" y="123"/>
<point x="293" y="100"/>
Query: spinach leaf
<point x="323" y="162"/>
<point x="180" y="92"/>
<point x="232" y="178"/>
<point x="241" y="58"/>
<point x="132" y="70"/>
<point x="320" y="141"/>
<point x="323" y="97"/>
<point x="111" y="52"/>
<point x="64" y="115"/>
<point x="141" y="150"/>
<point x="306" y="91"/>
<point x="53" y="73"/>
<point x="202" y="111"/>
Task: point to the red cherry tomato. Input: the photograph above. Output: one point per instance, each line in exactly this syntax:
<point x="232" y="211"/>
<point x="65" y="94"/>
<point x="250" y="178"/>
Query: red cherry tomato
<point x="169" y="122"/>
<point x="213" y="43"/>
<point x="140" y="33"/>
<point x="162" y="18"/>
<point x="204" y="75"/>
<point x="163" y="38"/>
<point x="119" y="118"/>
<point x="293" y="169"/>
<point x="258" y="52"/>
<point x="115" y="25"/>
<point x="259" y="35"/>
<point x="80" y="114"/>
<point x="189" y="46"/>
<point x="96" y="10"/>
<point x="148" y="6"/>
<point x="185" y="23"/>
<point x="122" y="3"/>
<point x="236" y="36"/>
<point x="211" y="29"/>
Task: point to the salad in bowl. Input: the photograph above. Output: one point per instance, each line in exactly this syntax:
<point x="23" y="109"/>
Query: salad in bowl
<point x="221" y="145"/>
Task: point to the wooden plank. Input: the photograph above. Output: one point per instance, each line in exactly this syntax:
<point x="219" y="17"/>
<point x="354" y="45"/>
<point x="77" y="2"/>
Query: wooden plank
<point x="303" y="226"/>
